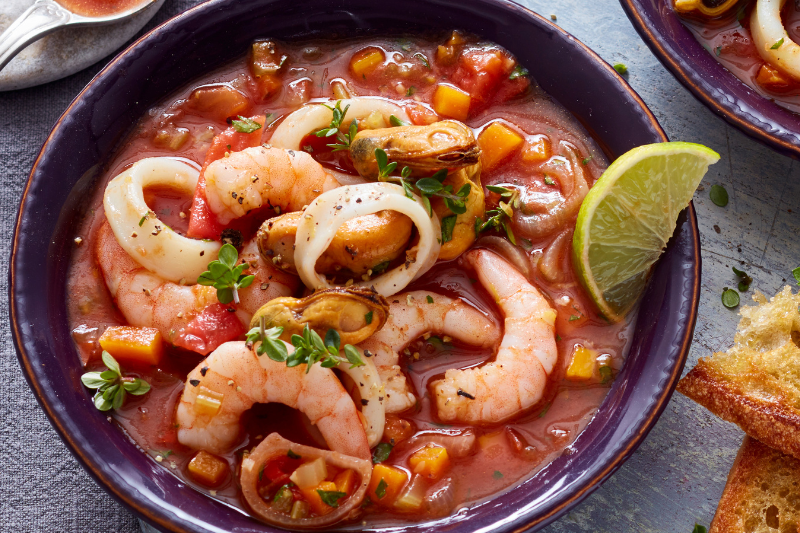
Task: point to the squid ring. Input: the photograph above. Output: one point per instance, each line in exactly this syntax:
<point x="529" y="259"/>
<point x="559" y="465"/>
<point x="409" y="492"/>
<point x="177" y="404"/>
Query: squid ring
<point x="290" y="133"/>
<point x="153" y="244"/>
<point x="771" y="39"/>
<point x="371" y="389"/>
<point x="331" y="209"/>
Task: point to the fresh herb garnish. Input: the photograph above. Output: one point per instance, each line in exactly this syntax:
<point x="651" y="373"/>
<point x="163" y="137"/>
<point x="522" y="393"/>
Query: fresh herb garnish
<point x="411" y="90"/>
<point x="429" y="299"/>
<point x="381" y="452"/>
<point x="497" y="474"/>
<point x="368" y="318"/>
<point x="308" y="348"/>
<point x="331" y="497"/>
<point x="147" y="215"/>
<point x="396" y="122"/>
<point x="718" y="50"/>
<point x="292" y="455"/>
<point x="699" y="529"/>
<point x="380" y="490"/>
<point x="225" y="276"/>
<point x="587" y="159"/>
<point x="423" y="59"/>
<point x="718" y="195"/>
<point x="380" y="267"/>
<point x="744" y="280"/>
<point x="500" y="217"/>
<point x="112" y="386"/>
<point x="245" y="125"/>
<point x="621" y="68"/>
<point x="777" y="44"/>
<point x="796" y="274"/>
<point x="427" y="187"/>
<point x="730" y="298"/>
<point x="448" y="225"/>
<point x="518" y="72"/>
<point x="573" y="318"/>
<point x="606" y="374"/>
<point x="548" y="180"/>
<point x="335" y="126"/>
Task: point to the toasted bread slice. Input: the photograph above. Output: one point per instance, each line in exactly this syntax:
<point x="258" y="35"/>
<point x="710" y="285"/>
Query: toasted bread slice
<point x="756" y="384"/>
<point x="762" y="494"/>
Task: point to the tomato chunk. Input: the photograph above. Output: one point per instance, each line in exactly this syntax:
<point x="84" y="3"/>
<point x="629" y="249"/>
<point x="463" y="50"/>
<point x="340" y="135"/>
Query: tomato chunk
<point x="208" y="330"/>
<point x="202" y="222"/>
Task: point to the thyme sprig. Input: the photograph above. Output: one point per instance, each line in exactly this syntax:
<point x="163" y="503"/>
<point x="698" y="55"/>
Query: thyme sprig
<point x="309" y="348"/>
<point x="225" y="276"/>
<point x="500" y="217"/>
<point x="112" y="386"/>
<point x="334" y="128"/>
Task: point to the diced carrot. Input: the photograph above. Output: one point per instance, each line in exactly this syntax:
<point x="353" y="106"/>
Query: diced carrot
<point x="536" y="150"/>
<point x="314" y="499"/>
<point x="129" y="344"/>
<point x="386" y="484"/>
<point x="497" y="142"/>
<point x="208" y="469"/>
<point x="431" y="462"/>
<point x="582" y="365"/>
<point x="396" y="429"/>
<point x="366" y="60"/>
<point x="450" y="101"/>
<point x="771" y="78"/>
<point x="346" y="481"/>
<point x="219" y="101"/>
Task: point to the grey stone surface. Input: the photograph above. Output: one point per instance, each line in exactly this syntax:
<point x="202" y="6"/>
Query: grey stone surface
<point x="675" y="478"/>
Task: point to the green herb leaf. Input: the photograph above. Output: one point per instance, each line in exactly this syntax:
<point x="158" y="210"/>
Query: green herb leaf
<point x="429" y="299"/>
<point x="777" y="44"/>
<point x="245" y="125"/>
<point x="269" y="340"/>
<point x="544" y="411"/>
<point x="380" y="490"/>
<point x="225" y="276"/>
<point x="353" y="357"/>
<point x="380" y="268"/>
<point x="573" y="318"/>
<point x="396" y="122"/>
<point x="293" y="455"/>
<point x="606" y="374"/>
<point x="718" y="50"/>
<point x="334" y="128"/>
<point x="381" y="452"/>
<point x="699" y="529"/>
<point x="448" y="224"/>
<point x="586" y="160"/>
<point x="718" y="195"/>
<point x="423" y="59"/>
<point x="331" y="497"/>
<point x="548" y="180"/>
<point x="518" y="72"/>
<point x="502" y="191"/>
<point x="92" y="380"/>
<point x="111" y="363"/>
<point x="796" y="274"/>
<point x="730" y="298"/>
<point x="745" y="280"/>
<point x="621" y="68"/>
<point x="368" y="318"/>
<point x="411" y="90"/>
<point x="497" y="474"/>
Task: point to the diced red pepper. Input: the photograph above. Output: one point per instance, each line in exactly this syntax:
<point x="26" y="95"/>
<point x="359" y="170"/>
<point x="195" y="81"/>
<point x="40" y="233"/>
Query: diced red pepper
<point x="279" y="467"/>
<point x="215" y="325"/>
<point x="202" y="222"/>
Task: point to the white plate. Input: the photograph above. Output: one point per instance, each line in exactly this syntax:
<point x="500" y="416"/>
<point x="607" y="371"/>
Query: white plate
<point x="65" y="51"/>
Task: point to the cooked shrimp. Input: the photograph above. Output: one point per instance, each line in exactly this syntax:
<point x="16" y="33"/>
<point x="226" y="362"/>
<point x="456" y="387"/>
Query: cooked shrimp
<point x="256" y="177"/>
<point x="516" y="379"/>
<point x="148" y="300"/>
<point x="233" y="378"/>
<point x="411" y="316"/>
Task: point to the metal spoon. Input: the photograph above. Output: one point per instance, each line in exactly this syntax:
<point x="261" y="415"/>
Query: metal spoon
<point x="46" y="16"/>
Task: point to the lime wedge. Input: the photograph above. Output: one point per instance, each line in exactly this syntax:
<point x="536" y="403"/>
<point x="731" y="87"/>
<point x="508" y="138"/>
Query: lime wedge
<point x="629" y="215"/>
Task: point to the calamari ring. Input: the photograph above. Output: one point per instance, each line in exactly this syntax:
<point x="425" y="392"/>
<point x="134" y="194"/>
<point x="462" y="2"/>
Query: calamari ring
<point x="276" y="446"/>
<point x="313" y="117"/>
<point x="331" y="209"/>
<point x="371" y="388"/>
<point x="153" y="244"/>
<point x="771" y="39"/>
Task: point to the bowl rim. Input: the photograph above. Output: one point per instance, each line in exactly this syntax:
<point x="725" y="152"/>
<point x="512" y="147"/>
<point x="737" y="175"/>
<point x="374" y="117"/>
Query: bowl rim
<point x="149" y="512"/>
<point x="688" y="70"/>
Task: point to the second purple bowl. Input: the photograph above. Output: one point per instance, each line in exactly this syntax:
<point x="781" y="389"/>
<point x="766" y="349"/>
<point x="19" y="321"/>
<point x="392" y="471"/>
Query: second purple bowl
<point x="202" y="38"/>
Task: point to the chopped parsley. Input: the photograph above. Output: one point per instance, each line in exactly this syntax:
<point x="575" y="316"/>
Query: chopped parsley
<point x="497" y="474"/>
<point x="331" y="497"/>
<point x="381" y="452"/>
<point x="368" y="318"/>
<point x="518" y="72"/>
<point x="245" y="125"/>
<point x="777" y="44"/>
<point x="380" y="490"/>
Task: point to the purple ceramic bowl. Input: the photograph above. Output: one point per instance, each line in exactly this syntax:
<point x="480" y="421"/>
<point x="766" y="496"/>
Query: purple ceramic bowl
<point x="202" y="38"/>
<point x="713" y="84"/>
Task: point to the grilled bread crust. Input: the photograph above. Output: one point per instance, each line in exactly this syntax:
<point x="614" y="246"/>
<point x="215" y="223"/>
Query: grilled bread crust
<point x="769" y="420"/>
<point x="762" y="494"/>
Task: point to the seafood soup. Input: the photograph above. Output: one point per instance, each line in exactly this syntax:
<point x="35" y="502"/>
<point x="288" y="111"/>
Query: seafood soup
<point x="331" y="282"/>
<point x="754" y="39"/>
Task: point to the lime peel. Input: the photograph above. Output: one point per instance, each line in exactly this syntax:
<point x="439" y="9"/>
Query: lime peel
<point x="628" y="217"/>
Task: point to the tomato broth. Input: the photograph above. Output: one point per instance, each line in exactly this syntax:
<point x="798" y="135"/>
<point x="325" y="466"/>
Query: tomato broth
<point x="185" y="125"/>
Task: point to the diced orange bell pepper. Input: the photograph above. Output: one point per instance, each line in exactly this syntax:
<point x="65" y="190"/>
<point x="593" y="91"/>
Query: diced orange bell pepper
<point x="386" y="484"/>
<point x="771" y="78"/>
<point x="431" y="462"/>
<point x="346" y="481"/>
<point x="208" y="469"/>
<point x="450" y="101"/>
<point x="219" y="101"/>
<point x="582" y="365"/>
<point x="536" y="150"/>
<point x="497" y="142"/>
<point x="129" y="344"/>
<point x="365" y="61"/>
<point x="314" y="499"/>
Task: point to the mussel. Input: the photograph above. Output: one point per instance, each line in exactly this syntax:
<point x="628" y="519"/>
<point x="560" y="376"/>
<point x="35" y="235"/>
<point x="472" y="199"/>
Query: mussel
<point x="424" y="149"/>
<point x="355" y="312"/>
